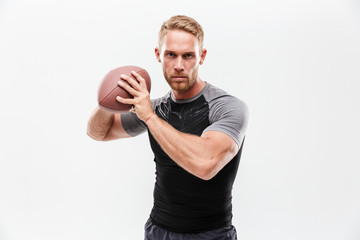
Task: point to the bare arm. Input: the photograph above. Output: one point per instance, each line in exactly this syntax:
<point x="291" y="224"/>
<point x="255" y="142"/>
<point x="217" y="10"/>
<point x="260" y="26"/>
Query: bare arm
<point x="105" y="126"/>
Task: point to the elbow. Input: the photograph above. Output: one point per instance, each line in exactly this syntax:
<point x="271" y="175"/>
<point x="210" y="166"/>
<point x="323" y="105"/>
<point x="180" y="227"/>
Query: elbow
<point x="95" y="134"/>
<point x="208" y="170"/>
<point x="95" y="137"/>
<point x="206" y="177"/>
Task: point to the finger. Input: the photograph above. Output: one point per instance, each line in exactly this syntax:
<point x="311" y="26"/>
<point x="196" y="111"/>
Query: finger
<point x="125" y="100"/>
<point x="139" y="78"/>
<point x="128" y="88"/>
<point x="131" y="81"/>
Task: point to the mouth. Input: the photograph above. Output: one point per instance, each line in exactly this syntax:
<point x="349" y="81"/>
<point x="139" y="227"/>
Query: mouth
<point x="179" y="78"/>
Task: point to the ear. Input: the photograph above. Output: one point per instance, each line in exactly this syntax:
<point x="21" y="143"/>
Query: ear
<point x="202" y="57"/>
<point x="157" y="54"/>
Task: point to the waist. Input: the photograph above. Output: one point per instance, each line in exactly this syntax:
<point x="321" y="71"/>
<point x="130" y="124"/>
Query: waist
<point x="191" y="213"/>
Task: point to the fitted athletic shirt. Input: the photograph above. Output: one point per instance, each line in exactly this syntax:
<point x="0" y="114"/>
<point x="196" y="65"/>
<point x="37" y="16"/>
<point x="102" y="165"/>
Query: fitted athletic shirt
<point x="183" y="202"/>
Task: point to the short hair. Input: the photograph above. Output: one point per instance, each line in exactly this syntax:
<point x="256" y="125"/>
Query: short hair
<point x="184" y="23"/>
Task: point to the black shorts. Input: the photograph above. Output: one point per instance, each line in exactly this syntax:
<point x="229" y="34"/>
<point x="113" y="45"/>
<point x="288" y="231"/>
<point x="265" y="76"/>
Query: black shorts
<point x="153" y="232"/>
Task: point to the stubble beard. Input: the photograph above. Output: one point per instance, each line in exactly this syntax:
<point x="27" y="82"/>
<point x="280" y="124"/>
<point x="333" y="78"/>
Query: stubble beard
<point x="183" y="87"/>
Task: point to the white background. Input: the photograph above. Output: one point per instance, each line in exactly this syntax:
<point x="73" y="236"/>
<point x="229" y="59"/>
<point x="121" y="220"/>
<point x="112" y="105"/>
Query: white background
<point x="295" y="63"/>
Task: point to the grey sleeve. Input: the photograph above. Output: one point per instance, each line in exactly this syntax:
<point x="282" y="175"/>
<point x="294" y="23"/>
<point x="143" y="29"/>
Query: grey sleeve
<point x="132" y="124"/>
<point x="230" y="116"/>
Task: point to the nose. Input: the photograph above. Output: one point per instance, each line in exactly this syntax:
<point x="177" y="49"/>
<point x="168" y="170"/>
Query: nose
<point x="179" y="64"/>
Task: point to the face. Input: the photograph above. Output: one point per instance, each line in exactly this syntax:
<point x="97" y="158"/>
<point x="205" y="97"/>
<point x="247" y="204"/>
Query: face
<point x="180" y="58"/>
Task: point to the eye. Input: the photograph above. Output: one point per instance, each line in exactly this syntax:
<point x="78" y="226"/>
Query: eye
<point x="188" y="55"/>
<point x="170" y="54"/>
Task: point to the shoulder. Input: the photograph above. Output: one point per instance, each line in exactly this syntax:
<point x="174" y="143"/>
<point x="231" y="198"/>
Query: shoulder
<point x="222" y="102"/>
<point x="157" y="101"/>
<point x="227" y="113"/>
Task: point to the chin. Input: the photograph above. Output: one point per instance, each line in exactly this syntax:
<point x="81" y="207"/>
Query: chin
<point x="177" y="87"/>
<point x="182" y="87"/>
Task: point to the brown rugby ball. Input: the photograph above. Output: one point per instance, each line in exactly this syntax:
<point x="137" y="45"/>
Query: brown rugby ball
<point x="109" y="88"/>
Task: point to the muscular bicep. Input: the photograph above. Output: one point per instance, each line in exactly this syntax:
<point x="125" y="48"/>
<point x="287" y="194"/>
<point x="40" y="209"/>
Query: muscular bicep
<point x="221" y="147"/>
<point x="226" y="132"/>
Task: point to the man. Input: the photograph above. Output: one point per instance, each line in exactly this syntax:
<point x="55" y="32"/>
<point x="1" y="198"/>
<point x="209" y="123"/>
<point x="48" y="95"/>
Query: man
<point x="196" y="132"/>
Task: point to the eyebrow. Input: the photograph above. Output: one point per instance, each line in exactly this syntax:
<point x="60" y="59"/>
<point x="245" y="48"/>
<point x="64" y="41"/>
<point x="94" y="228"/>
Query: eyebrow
<point x="171" y="51"/>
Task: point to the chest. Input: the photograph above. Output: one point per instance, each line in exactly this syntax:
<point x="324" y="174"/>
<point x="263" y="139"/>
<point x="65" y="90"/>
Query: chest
<point x="192" y="117"/>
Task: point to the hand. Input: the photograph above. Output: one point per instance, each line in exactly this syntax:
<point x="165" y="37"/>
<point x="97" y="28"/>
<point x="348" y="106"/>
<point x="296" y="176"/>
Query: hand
<point x="137" y="88"/>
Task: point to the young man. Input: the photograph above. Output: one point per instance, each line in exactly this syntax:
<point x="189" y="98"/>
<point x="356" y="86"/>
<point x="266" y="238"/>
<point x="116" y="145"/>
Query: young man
<point x="196" y="132"/>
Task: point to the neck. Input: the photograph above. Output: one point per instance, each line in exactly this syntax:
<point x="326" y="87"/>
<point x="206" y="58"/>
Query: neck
<point x="192" y="92"/>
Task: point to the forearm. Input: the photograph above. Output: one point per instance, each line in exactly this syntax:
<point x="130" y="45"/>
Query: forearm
<point x="99" y="124"/>
<point x="191" y="152"/>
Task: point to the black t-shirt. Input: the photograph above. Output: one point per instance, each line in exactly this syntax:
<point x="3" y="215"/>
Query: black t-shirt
<point x="183" y="202"/>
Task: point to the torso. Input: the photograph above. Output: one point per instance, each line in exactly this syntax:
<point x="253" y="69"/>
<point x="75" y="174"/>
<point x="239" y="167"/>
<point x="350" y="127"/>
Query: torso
<point x="183" y="202"/>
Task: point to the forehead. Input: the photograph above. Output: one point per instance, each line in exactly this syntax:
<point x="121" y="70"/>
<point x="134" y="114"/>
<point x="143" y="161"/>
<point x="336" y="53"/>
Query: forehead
<point x="177" y="40"/>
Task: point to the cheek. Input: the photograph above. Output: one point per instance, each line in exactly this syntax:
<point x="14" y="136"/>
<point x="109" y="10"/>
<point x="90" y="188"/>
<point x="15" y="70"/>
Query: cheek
<point x="193" y="66"/>
<point x="196" y="62"/>
<point x="165" y="65"/>
<point x="167" y="62"/>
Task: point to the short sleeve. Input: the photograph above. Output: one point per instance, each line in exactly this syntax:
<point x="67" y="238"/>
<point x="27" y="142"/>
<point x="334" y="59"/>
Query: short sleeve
<point x="132" y="124"/>
<point x="229" y="115"/>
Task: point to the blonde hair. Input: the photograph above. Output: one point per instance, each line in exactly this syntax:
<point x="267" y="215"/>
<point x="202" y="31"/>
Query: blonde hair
<point x="184" y="23"/>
